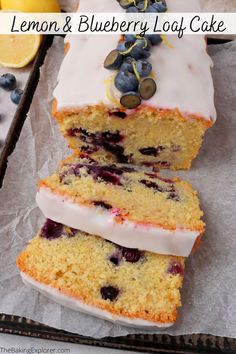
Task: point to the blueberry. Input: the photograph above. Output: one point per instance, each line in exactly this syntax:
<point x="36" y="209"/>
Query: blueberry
<point x="174" y="196"/>
<point x="89" y="149"/>
<point x="143" y="43"/>
<point x="154" y="38"/>
<point x="124" y="46"/>
<point x="110" y="137"/>
<point x="16" y="95"/>
<point x="132" y="9"/>
<point x="109" y="293"/>
<point x="152" y="151"/>
<point x="118" y="152"/>
<point x="116" y="257"/>
<point x="141" y="49"/>
<point x="126" y="81"/>
<point x="143" y="67"/>
<point x="8" y="82"/>
<point x="117" y="113"/>
<point x="147" y="88"/>
<point x="139" y="53"/>
<point x="160" y="6"/>
<point x="127" y="64"/>
<point x="113" y="60"/>
<point x="130" y="38"/>
<point x="141" y="5"/>
<point x="164" y="164"/>
<point x="105" y="174"/>
<point x="130" y="100"/>
<point x="100" y="203"/>
<point x="150" y="9"/>
<point x="153" y="185"/>
<point x="131" y="255"/>
<point x="51" y="230"/>
<point x="176" y="268"/>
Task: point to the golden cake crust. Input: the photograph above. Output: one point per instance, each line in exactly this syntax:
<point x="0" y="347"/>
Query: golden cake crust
<point x="160" y="113"/>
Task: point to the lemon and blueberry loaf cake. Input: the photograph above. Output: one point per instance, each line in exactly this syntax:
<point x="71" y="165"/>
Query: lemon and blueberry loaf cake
<point x="124" y="204"/>
<point x="92" y="275"/>
<point x="152" y="95"/>
<point x="117" y="234"/>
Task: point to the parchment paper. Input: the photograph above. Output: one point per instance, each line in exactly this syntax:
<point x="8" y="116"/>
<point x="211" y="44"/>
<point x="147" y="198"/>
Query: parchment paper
<point x="209" y="293"/>
<point x="7" y="107"/>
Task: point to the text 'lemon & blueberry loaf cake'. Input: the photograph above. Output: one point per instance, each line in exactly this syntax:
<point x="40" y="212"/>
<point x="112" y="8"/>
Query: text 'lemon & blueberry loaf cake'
<point x="91" y="275"/>
<point x="123" y="204"/>
<point x="152" y="95"/>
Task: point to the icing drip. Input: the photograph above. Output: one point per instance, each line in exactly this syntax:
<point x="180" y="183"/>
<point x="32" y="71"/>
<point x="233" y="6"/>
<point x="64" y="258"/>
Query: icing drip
<point x="103" y="222"/>
<point x="78" y="305"/>
<point x="184" y="72"/>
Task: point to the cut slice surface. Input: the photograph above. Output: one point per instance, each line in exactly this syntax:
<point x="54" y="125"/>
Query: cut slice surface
<point x="123" y="204"/>
<point x="115" y="283"/>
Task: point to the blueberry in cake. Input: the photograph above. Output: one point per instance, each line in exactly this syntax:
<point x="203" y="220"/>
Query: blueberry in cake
<point x="124" y="204"/>
<point x="92" y="275"/>
<point x="155" y="93"/>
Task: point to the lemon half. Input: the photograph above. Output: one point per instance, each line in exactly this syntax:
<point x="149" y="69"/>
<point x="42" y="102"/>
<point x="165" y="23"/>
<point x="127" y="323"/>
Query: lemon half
<point x="16" y="51"/>
<point x="31" y="5"/>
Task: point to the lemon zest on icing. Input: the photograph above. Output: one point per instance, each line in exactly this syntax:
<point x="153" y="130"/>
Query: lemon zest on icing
<point x="110" y="97"/>
<point x="135" y="70"/>
<point x="166" y="42"/>
<point x="152" y="74"/>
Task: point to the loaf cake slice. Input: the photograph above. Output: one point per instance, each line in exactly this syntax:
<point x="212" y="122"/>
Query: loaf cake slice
<point x="91" y="101"/>
<point x="126" y="205"/>
<point x="91" y="275"/>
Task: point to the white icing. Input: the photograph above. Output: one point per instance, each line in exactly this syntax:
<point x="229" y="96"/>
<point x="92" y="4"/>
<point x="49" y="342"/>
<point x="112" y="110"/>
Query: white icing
<point x="101" y="222"/>
<point x="183" y="73"/>
<point x="78" y="305"/>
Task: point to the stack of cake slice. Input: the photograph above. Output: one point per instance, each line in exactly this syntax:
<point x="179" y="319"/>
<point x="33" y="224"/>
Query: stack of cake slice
<point x="127" y="261"/>
<point x="117" y="232"/>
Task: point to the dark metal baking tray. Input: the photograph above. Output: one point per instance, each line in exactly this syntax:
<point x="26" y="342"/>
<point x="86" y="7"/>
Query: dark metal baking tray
<point x="148" y="343"/>
<point x="23" y="107"/>
<point x="188" y="344"/>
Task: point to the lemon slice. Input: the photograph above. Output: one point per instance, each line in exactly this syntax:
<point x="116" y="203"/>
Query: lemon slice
<point x="16" y="51"/>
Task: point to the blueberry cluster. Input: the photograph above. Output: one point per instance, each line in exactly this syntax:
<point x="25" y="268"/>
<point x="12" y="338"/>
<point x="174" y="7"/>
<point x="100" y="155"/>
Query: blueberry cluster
<point x="130" y="58"/>
<point x="143" y="5"/>
<point x="8" y="83"/>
